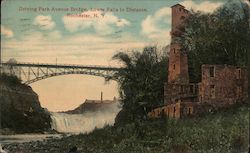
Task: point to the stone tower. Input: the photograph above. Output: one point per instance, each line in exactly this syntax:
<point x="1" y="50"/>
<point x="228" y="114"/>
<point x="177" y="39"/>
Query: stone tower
<point x="178" y="79"/>
<point x="178" y="63"/>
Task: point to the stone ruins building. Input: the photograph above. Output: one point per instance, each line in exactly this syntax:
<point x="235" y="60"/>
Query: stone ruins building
<point x="220" y="86"/>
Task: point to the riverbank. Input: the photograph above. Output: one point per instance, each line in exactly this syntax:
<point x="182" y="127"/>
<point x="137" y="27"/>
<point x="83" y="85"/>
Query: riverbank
<point x="24" y="138"/>
<point x="222" y="132"/>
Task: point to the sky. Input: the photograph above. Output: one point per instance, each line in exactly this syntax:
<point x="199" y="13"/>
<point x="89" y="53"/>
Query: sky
<point x="87" y="32"/>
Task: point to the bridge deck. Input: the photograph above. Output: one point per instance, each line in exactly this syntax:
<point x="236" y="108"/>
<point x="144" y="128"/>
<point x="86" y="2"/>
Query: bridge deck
<point x="32" y="72"/>
<point x="97" y="67"/>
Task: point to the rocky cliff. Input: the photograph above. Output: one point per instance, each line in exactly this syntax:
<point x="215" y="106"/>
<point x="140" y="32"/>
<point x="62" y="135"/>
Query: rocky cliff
<point x="20" y="109"/>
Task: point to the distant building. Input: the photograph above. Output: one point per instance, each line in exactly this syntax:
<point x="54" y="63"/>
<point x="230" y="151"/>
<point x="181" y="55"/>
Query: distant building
<point x="101" y="100"/>
<point x="220" y="86"/>
<point x="94" y="105"/>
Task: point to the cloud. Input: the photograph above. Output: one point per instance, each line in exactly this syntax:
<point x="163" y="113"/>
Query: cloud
<point x="101" y="22"/>
<point x="44" y="22"/>
<point x="6" y="32"/>
<point x="156" y="26"/>
<point x="73" y="49"/>
<point x="204" y="6"/>
<point x="149" y="25"/>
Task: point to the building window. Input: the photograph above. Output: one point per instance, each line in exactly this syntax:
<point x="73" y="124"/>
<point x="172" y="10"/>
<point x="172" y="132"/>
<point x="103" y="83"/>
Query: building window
<point x="211" y="71"/>
<point x="174" y="112"/>
<point x="182" y="17"/>
<point x="174" y="50"/>
<point x="191" y="89"/>
<point x="189" y="110"/>
<point x="174" y="66"/>
<point x="180" y="9"/>
<point x="162" y="112"/>
<point x="239" y="73"/>
<point x="212" y="91"/>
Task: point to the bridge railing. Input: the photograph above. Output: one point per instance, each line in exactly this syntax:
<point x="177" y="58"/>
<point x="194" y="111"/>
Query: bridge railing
<point x="58" y="65"/>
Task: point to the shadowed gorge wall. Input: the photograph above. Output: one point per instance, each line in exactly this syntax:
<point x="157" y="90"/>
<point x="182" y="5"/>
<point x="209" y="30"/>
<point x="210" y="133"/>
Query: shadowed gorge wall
<point x="20" y="109"/>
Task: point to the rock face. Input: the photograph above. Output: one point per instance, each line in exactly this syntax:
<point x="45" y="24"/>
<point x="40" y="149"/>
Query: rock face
<point x="20" y="108"/>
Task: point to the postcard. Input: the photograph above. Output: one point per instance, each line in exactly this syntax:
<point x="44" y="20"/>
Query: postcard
<point x="113" y="76"/>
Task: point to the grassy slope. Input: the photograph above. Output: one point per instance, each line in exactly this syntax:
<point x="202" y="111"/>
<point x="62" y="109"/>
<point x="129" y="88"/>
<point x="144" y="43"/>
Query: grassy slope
<point x="223" y="132"/>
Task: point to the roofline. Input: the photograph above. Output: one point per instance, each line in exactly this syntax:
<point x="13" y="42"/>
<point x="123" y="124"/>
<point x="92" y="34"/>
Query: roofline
<point x="228" y="65"/>
<point x="178" y="4"/>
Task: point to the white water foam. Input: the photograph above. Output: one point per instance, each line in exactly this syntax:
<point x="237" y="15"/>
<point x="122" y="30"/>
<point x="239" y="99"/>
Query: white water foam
<point x="83" y="123"/>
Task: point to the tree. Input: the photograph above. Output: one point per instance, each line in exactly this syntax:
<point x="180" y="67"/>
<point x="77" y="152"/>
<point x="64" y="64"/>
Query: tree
<point x="141" y="81"/>
<point x="221" y="37"/>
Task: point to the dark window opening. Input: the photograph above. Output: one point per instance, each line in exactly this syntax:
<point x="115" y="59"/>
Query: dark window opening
<point x="239" y="73"/>
<point x="212" y="91"/>
<point x="189" y="110"/>
<point x="174" y="112"/>
<point x="174" y="66"/>
<point x="211" y="71"/>
<point x="162" y="112"/>
<point x="191" y="88"/>
<point x="182" y="17"/>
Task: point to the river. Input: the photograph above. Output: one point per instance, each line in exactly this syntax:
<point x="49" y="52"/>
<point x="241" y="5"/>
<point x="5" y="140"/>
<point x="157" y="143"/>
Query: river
<point x="67" y="124"/>
<point x="21" y="138"/>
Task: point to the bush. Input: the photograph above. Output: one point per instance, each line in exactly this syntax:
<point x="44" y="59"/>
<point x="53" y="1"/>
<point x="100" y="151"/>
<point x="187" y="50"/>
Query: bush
<point x="11" y="80"/>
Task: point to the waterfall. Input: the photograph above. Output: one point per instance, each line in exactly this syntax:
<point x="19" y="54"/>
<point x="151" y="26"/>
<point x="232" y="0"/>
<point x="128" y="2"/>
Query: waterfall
<point x="83" y="123"/>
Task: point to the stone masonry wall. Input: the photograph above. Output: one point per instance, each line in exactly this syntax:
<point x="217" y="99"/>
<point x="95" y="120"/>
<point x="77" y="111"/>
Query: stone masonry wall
<point x="223" y="84"/>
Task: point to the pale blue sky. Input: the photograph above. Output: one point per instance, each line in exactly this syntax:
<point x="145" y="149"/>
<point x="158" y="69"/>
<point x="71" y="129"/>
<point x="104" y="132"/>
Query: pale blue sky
<point x="30" y="36"/>
<point x="28" y="30"/>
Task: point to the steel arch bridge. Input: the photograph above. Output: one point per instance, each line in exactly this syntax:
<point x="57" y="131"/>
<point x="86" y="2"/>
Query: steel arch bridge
<point x="33" y="72"/>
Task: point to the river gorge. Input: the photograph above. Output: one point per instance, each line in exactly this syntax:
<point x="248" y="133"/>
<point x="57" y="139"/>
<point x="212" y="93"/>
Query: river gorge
<point x="24" y="121"/>
<point x="67" y="124"/>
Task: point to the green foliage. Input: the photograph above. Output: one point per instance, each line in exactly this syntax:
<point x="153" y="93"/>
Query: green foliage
<point x="226" y="131"/>
<point x="223" y="132"/>
<point x="218" y="38"/>
<point x="222" y="37"/>
<point x="141" y="82"/>
<point x="11" y="80"/>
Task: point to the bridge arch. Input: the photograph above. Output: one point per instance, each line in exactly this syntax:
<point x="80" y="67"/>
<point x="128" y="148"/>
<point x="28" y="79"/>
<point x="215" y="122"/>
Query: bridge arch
<point x="30" y="73"/>
<point x="67" y="73"/>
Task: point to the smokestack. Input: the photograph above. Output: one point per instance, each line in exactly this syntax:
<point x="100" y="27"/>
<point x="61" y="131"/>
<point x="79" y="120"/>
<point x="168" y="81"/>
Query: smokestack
<point x="1" y="56"/>
<point x="101" y="96"/>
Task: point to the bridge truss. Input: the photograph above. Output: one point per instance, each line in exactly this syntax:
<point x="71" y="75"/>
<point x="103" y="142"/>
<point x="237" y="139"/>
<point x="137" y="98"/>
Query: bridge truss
<point x="30" y="72"/>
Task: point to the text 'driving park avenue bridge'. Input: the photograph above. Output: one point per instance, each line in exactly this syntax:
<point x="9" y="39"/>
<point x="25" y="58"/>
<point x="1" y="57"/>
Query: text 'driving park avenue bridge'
<point x="32" y="72"/>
